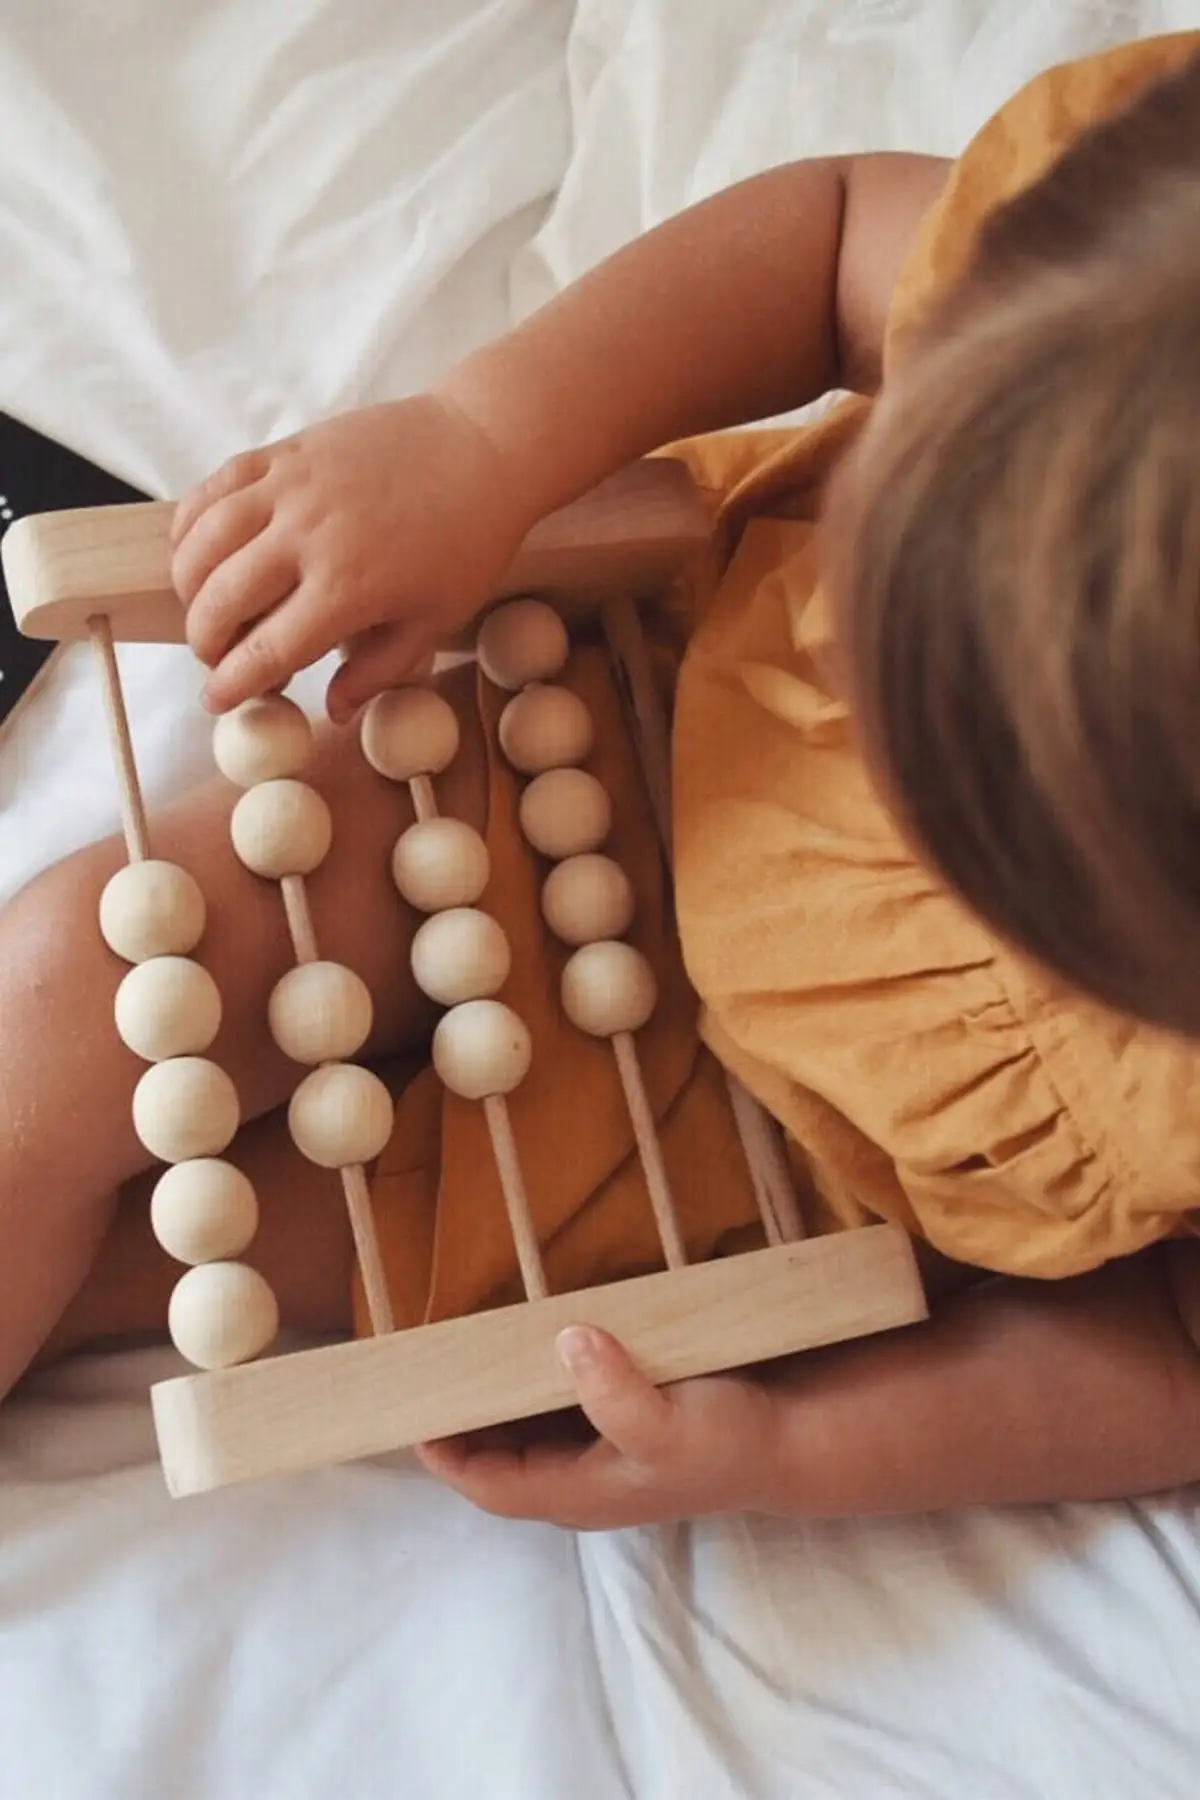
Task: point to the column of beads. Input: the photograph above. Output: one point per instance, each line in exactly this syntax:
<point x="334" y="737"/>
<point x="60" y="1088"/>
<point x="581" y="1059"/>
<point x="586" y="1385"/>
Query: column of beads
<point x="185" y="1108"/>
<point x="460" y="955"/>
<point x="340" y="1115"/>
<point x="608" y="987"/>
<point x="766" y="1160"/>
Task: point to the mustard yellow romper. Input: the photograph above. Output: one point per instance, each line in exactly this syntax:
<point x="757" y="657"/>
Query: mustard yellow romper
<point x="923" y="1073"/>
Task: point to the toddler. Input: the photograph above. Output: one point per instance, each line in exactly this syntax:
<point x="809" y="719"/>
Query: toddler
<point x="937" y="790"/>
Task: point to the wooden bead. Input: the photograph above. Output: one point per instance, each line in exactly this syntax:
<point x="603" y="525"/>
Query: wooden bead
<point x="222" y="1313"/>
<point x="545" y="728"/>
<point x="281" y="828"/>
<point x="320" y="1012"/>
<point x="409" y="731"/>
<point x="482" y="1048"/>
<point x="460" y="955"/>
<point x="440" y="863"/>
<point x="607" y="988"/>
<point x="203" y="1211"/>
<point x="167" y="1006"/>
<point x="521" y="642"/>
<point x="262" y="740"/>
<point x="565" y="812"/>
<point x="185" y="1107"/>
<point x="587" y="898"/>
<point x="151" y="909"/>
<point x="341" y="1115"/>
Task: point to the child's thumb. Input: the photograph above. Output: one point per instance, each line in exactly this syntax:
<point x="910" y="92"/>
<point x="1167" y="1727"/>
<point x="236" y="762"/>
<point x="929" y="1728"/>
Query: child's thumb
<point x="626" y="1409"/>
<point x="386" y="656"/>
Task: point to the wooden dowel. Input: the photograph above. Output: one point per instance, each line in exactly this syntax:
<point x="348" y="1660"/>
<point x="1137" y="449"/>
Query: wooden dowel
<point x="516" y="1200"/>
<point x="630" y="654"/>
<point x="299" y="918"/>
<point x="366" y="1246"/>
<point x="424" y="799"/>
<point x="769" y="1174"/>
<point x="649" y="1150"/>
<point x="354" y="1180"/>
<point x="772" y="1179"/>
<point x="133" y="809"/>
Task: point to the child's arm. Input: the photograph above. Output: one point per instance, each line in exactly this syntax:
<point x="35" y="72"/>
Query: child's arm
<point x="405" y="516"/>
<point x="1015" y="1392"/>
<point x="752" y="303"/>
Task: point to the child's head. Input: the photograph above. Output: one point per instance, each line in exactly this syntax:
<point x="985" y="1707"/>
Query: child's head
<point x="1015" y="548"/>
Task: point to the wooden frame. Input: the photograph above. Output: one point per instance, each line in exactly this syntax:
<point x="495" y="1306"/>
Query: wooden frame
<point x="313" y="1407"/>
<point x="105" y="573"/>
<point x="63" y="569"/>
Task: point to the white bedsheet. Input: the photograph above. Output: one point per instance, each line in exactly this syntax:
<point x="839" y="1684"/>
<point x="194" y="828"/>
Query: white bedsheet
<point x="217" y="219"/>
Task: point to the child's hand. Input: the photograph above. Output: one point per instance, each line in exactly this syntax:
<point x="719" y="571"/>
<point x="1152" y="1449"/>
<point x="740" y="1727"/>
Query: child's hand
<point x="705" y="1446"/>
<point x="384" y="530"/>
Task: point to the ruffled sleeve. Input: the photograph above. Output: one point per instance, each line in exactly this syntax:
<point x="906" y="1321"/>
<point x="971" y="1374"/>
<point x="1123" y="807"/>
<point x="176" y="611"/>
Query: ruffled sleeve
<point x="929" y="1075"/>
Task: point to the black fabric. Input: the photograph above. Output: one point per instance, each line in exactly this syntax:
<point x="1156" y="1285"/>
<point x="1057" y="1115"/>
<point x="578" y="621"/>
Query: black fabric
<point x="37" y="475"/>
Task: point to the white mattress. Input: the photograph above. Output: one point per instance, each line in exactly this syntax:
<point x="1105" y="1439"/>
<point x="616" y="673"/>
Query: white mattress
<point x="216" y="221"/>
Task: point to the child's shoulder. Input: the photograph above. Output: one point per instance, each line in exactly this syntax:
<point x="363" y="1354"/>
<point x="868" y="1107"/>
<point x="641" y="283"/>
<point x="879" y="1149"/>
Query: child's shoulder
<point x="1017" y="145"/>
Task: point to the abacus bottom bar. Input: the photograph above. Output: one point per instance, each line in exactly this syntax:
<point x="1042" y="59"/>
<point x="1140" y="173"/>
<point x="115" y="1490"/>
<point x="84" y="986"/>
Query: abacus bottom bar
<point x="351" y="1400"/>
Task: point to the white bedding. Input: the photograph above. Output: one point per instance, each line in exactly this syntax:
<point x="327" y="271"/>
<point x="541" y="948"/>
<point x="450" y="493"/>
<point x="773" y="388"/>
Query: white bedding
<point x="219" y="218"/>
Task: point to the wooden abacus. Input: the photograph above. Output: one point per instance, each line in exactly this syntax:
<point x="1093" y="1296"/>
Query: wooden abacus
<point x="104" y="575"/>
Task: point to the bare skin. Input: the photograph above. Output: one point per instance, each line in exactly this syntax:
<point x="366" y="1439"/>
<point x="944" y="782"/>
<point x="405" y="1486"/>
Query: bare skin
<point x="385" y="531"/>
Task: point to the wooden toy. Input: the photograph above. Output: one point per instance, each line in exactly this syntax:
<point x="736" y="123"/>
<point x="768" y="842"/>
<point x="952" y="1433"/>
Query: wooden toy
<point x="104" y="575"/>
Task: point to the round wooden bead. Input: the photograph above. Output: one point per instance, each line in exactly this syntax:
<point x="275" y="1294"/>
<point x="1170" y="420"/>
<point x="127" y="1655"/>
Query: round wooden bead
<point x="409" y="731"/>
<point x="460" y="955"/>
<point x="222" y="1313"/>
<point x="261" y="740"/>
<point x="521" y="642"/>
<point x="320" y="1012"/>
<point x="545" y="728"/>
<point x="150" y="909"/>
<point x="167" y="1006"/>
<point x="482" y="1048"/>
<point x="203" y="1211"/>
<point x="340" y="1115"/>
<point x="565" y="812"/>
<point x="185" y="1107"/>
<point x="281" y="828"/>
<point x="607" y="988"/>
<point x="439" y="863"/>
<point x="587" y="898"/>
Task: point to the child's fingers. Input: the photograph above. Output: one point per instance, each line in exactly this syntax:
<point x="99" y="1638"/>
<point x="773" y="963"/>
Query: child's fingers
<point x="247" y="585"/>
<point x="587" y="1490"/>
<point x="628" y="1411"/>
<point x="291" y="636"/>
<point x="383" y="657"/>
<point x="218" y="533"/>
<point x="239" y="472"/>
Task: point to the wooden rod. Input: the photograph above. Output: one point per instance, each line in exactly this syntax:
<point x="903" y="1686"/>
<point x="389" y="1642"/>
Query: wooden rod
<point x="516" y="1200"/>
<point x="649" y="1150"/>
<point x="299" y="918"/>
<point x="133" y="808"/>
<point x="353" y="1176"/>
<point x="630" y="654"/>
<point x="366" y="1248"/>
<point x="424" y="799"/>
<point x="770" y="1176"/>
<point x="772" y="1179"/>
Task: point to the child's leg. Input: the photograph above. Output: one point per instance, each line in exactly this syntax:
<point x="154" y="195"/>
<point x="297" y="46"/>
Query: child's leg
<point x="66" y="1139"/>
<point x="303" y="1246"/>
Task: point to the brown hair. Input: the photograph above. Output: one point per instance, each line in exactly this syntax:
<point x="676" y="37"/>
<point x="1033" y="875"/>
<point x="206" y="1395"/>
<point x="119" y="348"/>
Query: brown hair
<point x="1015" y="550"/>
